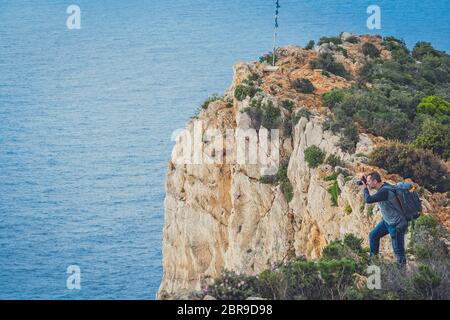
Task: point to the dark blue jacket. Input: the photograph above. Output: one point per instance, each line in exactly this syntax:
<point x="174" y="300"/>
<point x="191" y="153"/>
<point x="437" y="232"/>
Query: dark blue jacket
<point x="389" y="206"/>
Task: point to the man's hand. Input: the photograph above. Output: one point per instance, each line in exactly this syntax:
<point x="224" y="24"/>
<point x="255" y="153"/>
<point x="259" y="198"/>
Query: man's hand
<point x="364" y="181"/>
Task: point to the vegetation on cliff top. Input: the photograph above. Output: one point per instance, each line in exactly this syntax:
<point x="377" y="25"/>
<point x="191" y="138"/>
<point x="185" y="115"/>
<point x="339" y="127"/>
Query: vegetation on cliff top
<point x="342" y="273"/>
<point x="403" y="99"/>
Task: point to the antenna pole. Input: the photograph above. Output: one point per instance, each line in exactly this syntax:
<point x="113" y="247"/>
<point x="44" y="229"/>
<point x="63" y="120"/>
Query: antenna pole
<point x="275" y="31"/>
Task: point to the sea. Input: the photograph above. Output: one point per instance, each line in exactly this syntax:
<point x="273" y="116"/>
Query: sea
<point x="87" y="116"/>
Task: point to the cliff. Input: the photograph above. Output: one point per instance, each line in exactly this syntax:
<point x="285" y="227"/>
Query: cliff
<point x="222" y="215"/>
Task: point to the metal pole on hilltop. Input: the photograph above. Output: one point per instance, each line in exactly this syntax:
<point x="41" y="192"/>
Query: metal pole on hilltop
<point x="275" y="31"/>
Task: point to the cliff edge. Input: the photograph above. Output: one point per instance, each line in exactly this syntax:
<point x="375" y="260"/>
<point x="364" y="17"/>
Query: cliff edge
<point x="221" y="214"/>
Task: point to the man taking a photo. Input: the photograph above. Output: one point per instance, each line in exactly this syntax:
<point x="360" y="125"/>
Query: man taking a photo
<point x="394" y="223"/>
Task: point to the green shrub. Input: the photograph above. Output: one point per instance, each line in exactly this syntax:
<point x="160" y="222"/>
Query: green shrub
<point x="285" y="184"/>
<point x="418" y="164"/>
<point x="331" y="177"/>
<point x="370" y="209"/>
<point x="332" y="277"/>
<point x="268" y="57"/>
<point x="287" y="190"/>
<point x="301" y="113"/>
<point x="256" y="112"/>
<point x="287" y="127"/>
<point x="426" y="281"/>
<point x="310" y="45"/>
<point x="231" y="286"/>
<point x="370" y="50"/>
<point x="348" y="209"/>
<point x="434" y="136"/>
<point x="271" y="116"/>
<point x="354" y="243"/>
<point x="353" y="39"/>
<point x="427" y="223"/>
<point x="334" y="191"/>
<point x="272" y="285"/>
<point x="314" y="156"/>
<point x="348" y="248"/>
<point x="268" y="179"/>
<point x="288" y="104"/>
<point x="337" y="275"/>
<point x="332" y="98"/>
<point x="435" y="74"/>
<point x="373" y="111"/>
<point x="248" y="88"/>
<point x="304" y="279"/>
<point x="335" y="40"/>
<point x="325" y="61"/>
<point x="263" y="114"/>
<point x="290" y="122"/>
<point x="343" y="51"/>
<point x="434" y="106"/>
<point x="303" y="86"/>
<point x="244" y="90"/>
<point x="212" y="98"/>
<point x="392" y="43"/>
<point x="422" y="49"/>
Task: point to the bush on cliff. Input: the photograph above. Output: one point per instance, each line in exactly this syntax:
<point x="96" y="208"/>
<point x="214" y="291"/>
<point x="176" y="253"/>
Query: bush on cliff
<point x="288" y="104"/>
<point x="334" y="40"/>
<point x="248" y="88"/>
<point x="339" y="271"/>
<point x="303" y="86"/>
<point x="434" y="136"/>
<point x="289" y="123"/>
<point x="263" y="114"/>
<point x="285" y="184"/>
<point x="370" y="50"/>
<point x="393" y="98"/>
<point x="314" y="156"/>
<point x="325" y="61"/>
<point x="310" y="45"/>
<point x="410" y="162"/>
<point x="232" y="286"/>
<point x="282" y="178"/>
<point x="353" y="39"/>
<point x="268" y="58"/>
<point x="423" y="49"/>
<point x="436" y="107"/>
<point x="332" y="98"/>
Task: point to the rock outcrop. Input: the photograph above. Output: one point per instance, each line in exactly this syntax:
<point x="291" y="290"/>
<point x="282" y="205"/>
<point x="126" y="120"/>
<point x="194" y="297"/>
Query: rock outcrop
<point x="220" y="215"/>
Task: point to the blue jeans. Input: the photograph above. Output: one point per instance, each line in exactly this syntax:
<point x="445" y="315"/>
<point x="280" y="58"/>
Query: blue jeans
<point x="397" y="234"/>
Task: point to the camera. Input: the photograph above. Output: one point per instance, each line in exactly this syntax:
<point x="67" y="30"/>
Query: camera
<point x="362" y="181"/>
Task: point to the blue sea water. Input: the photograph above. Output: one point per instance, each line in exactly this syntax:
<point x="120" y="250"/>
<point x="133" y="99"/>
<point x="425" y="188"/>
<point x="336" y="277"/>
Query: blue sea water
<point x="86" y="118"/>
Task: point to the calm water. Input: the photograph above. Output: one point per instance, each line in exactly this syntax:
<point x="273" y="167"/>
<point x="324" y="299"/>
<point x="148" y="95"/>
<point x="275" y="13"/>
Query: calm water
<point x="86" y="118"/>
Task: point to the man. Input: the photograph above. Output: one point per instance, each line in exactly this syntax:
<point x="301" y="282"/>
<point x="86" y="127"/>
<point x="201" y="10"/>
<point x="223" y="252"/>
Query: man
<point x="393" y="223"/>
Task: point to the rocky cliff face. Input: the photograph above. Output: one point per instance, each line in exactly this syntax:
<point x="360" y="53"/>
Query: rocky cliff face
<point x="220" y="215"/>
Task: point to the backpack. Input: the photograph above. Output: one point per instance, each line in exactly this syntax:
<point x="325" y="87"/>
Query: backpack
<point x="408" y="199"/>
